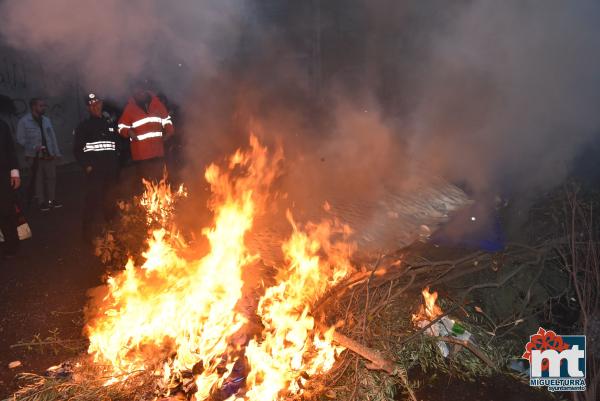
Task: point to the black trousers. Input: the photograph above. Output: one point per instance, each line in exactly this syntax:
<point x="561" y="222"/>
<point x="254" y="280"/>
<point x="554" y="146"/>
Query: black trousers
<point x="100" y="200"/>
<point x="150" y="170"/>
<point x="8" y="216"/>
<point x="130" y="179"/>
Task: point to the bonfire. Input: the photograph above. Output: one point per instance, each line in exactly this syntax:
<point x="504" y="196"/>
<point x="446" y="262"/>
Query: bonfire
<point x="174" y="316"/>
<point x="323" y="322"/>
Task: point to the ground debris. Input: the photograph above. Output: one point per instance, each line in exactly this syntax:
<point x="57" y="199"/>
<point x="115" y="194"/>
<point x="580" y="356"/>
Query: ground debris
<point x="62" y="371"/>
<point x="375" y="310"/>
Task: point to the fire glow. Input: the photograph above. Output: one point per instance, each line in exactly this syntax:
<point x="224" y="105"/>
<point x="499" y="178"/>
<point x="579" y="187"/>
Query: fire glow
<point x="429" y="310"/>
<point x="176" y="315"/>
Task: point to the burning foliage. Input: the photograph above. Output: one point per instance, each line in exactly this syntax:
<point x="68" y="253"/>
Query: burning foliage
<point x="173" y="315"/>
<point x="172" y="323"/>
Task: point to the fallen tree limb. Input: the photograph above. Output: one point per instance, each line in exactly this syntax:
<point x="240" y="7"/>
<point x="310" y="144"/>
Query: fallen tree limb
<point x="377" y="361"/>
<point x="62" y="343"/>
<point x="397" y="268"/>
<point x="471" y="347"/>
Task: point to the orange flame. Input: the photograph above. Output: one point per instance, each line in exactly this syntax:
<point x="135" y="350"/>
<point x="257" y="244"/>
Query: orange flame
<point x="429" y="310"/>
<point x="159" y="201"/>
<point x="290" y="345"/>
<point x="177" y="313"/>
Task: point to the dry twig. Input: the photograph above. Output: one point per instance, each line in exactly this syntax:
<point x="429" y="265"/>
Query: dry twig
<point x="471" y="347"/>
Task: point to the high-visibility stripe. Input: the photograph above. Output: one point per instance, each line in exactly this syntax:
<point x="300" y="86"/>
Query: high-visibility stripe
<point x="122" y="126"/>
<point x="149" y="135"/>
<point x="146" y="120"/>
<point x="99" y="146"/>
<point x="100" y="143"/>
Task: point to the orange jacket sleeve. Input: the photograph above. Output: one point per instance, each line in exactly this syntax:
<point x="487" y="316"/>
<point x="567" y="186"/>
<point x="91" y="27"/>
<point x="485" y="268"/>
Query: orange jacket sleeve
<point x="166" y="119"/>
<point x="125" y="122"/>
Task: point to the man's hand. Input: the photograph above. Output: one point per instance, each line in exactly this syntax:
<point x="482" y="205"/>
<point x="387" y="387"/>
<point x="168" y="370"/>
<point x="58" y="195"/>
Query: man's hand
<point x="15" y="182"/>
<point x="88" y="169"/>
<point x="133" y="135"/>
<point x="166" y="137"/>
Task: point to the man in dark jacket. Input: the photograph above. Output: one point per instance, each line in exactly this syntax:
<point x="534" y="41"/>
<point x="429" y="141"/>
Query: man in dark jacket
<point x="9" y="182"/>
<point x="95" y="150"/>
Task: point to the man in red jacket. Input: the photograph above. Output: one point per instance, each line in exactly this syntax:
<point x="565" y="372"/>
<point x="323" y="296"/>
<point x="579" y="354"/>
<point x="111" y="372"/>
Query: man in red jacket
<point x="147" y="124"/>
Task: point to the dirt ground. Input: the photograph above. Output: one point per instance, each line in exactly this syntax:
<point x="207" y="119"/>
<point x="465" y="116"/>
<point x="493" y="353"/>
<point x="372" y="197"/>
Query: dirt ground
<point x="500" y="388"/>
<point x="43" y="291"/>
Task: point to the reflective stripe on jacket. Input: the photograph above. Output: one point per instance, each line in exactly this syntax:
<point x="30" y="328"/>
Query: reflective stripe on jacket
<point x="99" y="146"/>
<point x="149" y="127"/>
<point x="95" y="144"/>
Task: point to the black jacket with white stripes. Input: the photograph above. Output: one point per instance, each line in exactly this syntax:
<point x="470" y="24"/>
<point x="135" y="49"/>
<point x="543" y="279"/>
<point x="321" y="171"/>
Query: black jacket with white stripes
<point x="95" y="144"/>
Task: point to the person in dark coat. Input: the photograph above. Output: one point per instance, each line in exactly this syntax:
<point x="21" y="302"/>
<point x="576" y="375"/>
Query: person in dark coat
<point x="95" y="149"/>
<point x="9" y="181"/>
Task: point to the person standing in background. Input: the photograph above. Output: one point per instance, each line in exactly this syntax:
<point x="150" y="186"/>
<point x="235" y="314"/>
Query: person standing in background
<point x="9" y="181"/>
<point x="36" y="134"/>
<point x="147" y="123"/>
<point x="95" y="149"/>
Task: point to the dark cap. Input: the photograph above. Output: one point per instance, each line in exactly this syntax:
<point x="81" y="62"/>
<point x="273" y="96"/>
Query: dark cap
<point x="91" y="98"/>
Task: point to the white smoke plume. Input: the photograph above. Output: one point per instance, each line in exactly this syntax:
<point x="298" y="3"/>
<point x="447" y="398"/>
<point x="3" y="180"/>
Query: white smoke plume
<point x="500" y="95"/>
<point x="509" y="93"/>
<point x="108" y="43"/>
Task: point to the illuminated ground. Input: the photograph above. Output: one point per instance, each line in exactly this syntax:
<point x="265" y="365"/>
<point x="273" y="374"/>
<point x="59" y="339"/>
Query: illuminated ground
<point x="44" y="289"/>
<point x="45" y="284"/>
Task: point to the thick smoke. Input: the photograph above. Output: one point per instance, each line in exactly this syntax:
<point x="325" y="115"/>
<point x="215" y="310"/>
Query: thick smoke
<point x="509" y="94"/>
<point x="498" y="95"/>
<point x="108" y="43"/>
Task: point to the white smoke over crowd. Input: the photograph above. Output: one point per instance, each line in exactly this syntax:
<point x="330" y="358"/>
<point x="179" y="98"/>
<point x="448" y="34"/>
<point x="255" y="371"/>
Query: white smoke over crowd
<point x="499" y="95"/>
<point x="106" y="44"/>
